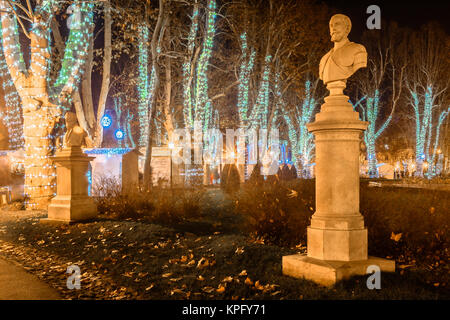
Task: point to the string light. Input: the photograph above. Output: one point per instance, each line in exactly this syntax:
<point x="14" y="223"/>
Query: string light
<point x="109" y="151"/>
<point x="202" y="108"/>
<point x="302" y="141"/>
<point x="244" y="79"/>
<point x="369" y="113"/>
<point x="12" y="117"/>
<point x="260" y="110"/>
<point x="125" y="134"/>
<point x="40" y="125"/>
<point x="143" y="86"/>
<point x="187" y="66"/>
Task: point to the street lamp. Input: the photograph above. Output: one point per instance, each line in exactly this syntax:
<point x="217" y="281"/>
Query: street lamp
<point x="171" y="146"/>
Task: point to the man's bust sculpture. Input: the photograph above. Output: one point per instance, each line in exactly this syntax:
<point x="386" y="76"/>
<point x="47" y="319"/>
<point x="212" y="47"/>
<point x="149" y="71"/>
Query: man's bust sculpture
<point x="75" y="135"/>
<point x="345" y="58"/>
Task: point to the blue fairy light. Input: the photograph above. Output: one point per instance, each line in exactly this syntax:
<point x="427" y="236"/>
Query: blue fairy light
<point x="106" y="121"/>
<point x="119" y="134"/>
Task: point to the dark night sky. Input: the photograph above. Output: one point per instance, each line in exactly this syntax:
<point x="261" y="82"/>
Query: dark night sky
<point x="410" y="14"/>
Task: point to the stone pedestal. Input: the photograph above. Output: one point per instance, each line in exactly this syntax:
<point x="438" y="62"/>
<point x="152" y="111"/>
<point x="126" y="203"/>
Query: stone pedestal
<point x="130" y="172"/>
<point x="72" y="203"/>
<point x="336" y="238"/>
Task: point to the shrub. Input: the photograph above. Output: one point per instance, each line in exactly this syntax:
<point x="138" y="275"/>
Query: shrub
<point x="286" y="174"/>
<point x="112" y="203"/>
<point x="230" y="180"/>
<point x="411" y="225"/>
<point x="160" y="205"/>
<point x="277" y="212"/>
<point x="255" y="177"/>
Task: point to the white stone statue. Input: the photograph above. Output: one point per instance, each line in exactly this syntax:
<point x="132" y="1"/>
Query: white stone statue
<point x="345" y="58"/>
<point x="75" y="135"/>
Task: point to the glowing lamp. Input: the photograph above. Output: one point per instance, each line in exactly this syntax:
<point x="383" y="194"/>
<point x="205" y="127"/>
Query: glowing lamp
<point x="106" y="121"/>
<point x="119" y="134"/>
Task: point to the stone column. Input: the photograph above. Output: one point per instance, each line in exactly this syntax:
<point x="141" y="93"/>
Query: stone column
<point x="336" y="238"/>
<point x="130" y="172"/>
<point x="72" y="203"/>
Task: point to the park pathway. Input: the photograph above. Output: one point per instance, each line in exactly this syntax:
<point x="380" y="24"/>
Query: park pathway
<point x="17" y="284"/>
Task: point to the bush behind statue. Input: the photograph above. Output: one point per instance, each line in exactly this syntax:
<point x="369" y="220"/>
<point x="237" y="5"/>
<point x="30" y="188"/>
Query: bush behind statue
<point x="410" y="225"/>
<point x="160" y="205"/>
<point x="277" y="212"/>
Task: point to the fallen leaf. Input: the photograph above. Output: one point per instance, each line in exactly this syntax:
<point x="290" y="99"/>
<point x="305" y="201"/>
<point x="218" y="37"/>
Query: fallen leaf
<point x="396" y="237"/>
<point x="175" y="279"/>
<point x="243" y="273"/>
<point x="166" y="275"/>
<point x="259" y="286"/>
<point x="239" y="250"/>
<point x="202" y="263"/>
<point x="149" y="288"/>
<point x="293" y="194"/>
<point x="190" y="263"/>
<point x="208" y="289"/>
<point x="248" y="281"/>
<point x="176" y="291"/>
<point x="200" y="278"/>
<point x="221" y="289"/>
<point x="228" y="279"/>
<point x="128" y="274"/>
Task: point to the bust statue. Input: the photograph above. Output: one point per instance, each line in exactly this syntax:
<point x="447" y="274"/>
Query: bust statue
<point x="344" y="59"/>
<point x="75" y="135"/>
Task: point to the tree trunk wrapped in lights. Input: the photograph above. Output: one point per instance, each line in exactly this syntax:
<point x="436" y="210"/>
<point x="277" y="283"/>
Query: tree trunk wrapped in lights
<point x="259" y="112"/>
<point x="202" y="107"/>
<point x="12" y="117"/>
<point x="427" y="84"/>
<point x="370" y="114"/>
<point x="44" y="102"/>
<point x="424" y="131"/>
<point x="145" y="86"/>
<point x="197" y="105"/>
<point x="244" y="79"/>
<point x="302" y="142"/>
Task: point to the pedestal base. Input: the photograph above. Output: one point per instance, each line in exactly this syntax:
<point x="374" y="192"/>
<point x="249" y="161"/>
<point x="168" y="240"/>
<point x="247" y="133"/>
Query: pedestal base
<point x="54" y="222"/>
<point x="340" y="245"/>
<point x="328" y="272"/>
<point x="68" y="210"/>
